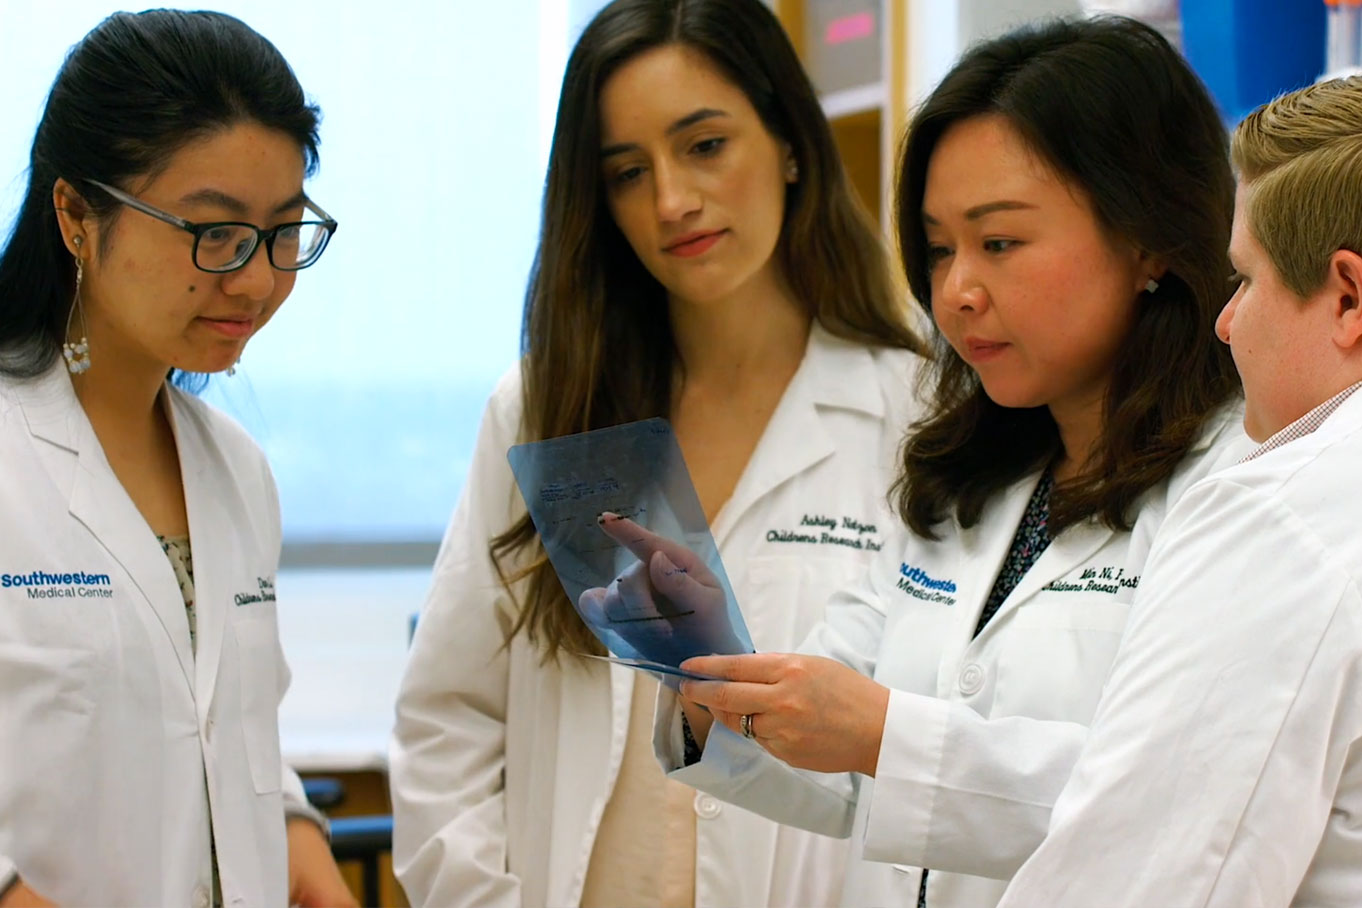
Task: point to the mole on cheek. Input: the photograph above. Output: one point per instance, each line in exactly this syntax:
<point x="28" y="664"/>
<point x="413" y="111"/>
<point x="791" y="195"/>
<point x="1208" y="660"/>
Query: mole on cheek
<point x="192" y="288"/>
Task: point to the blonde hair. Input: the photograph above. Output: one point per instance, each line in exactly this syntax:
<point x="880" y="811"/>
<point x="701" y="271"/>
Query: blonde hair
<point x="1301" y="158"/>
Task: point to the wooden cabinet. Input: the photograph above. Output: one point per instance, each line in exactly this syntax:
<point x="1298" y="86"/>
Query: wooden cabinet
<point x="854" y="51"/>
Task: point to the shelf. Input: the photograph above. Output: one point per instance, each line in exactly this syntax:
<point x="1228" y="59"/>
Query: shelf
<point x="867" y="117"/>
<point x="851" y="101"/>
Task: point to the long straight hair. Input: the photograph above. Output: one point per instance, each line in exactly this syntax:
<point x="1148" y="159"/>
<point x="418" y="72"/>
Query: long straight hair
<point x="1119" y="114"/>
<point x="591" y="303"/>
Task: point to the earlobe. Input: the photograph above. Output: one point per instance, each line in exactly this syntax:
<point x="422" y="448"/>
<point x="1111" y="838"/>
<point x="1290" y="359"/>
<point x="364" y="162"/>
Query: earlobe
<point x="1152" y="270"/>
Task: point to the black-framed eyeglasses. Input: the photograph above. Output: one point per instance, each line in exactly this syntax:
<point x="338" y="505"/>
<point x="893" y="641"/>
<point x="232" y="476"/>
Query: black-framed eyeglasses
<point x="222" y="246"/>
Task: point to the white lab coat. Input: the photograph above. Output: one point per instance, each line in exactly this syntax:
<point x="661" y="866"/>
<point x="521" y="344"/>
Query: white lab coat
<point x="501" y="766"/>
<point x="981" y="732"/>
<point x="1224" y="766"/>
<point x="109" y="721"/>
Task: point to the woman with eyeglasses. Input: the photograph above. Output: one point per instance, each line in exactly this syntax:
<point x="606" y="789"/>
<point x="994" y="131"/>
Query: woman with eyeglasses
<point x="140" y="666"/>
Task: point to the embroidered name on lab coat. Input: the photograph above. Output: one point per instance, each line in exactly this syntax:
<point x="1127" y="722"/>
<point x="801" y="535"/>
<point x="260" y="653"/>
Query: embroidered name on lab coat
<point x="69" y="585"/>
<point x="266" y="593"/>
<point x="1110" y="579"/>
<point x="816" y="529"/>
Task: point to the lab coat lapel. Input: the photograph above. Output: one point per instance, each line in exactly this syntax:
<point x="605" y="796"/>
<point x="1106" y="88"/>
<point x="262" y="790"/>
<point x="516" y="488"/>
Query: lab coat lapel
<point x="209" y="507"/>
<point x="1073" y="547"/>
<point x="982" y="550"/>
<point x="99" y="501"/>
<point x="833" y="373"/>
<point x="621" y="704"/>
<point x="794" y="440"/>
<point x="51" y="409"/>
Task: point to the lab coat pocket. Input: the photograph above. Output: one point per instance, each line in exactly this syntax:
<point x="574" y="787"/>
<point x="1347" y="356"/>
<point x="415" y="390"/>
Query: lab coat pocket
<point x="257" y="649"/>
<point x="1057" y="657"/>
<point x="37" y="679"/>
<point x="49" y="718"/>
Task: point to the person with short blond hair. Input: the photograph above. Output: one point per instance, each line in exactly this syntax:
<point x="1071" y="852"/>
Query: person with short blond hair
<point x="1224" y="765"/>
<point x="1302" y="157"/>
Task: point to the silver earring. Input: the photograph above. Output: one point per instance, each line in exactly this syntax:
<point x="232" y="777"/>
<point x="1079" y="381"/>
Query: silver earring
<point x="77" y="355"/>
<point x="792" y="172"/>
<point x="231" y="370"/>
<point x="1151" y="286"/>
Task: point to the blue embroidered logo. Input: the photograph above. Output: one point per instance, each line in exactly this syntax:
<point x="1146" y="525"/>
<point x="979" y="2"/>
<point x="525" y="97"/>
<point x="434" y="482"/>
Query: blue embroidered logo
<point x="920" y="585"/>
<point x="42" y="585"/>
<point x="920" y="577"/>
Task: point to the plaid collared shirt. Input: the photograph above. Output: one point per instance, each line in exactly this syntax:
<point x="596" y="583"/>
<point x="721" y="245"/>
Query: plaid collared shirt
<point x="1305" y="425"/>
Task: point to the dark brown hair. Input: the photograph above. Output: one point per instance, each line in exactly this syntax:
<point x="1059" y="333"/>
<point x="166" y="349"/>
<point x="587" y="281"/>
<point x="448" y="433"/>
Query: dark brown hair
<point x="591" y="301"/>
<point x="1118" y="113"/>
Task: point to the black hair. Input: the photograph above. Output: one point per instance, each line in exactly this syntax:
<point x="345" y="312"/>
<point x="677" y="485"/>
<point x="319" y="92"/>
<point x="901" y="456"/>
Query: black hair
<point x="1118" y="113"/>
<point x="133" y="92"/>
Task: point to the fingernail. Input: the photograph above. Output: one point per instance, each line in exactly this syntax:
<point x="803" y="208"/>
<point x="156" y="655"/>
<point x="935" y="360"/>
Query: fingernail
<point x="603" y="516"/>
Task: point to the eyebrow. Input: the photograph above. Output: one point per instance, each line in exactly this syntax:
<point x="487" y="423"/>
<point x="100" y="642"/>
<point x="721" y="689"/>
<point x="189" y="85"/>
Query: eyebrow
<point x="689" y="120"/>
<point x="235" y="205"/>
<point x="978" y="211"/>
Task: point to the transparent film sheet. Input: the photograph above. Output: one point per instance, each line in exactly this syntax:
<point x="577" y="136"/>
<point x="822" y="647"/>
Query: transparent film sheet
<point x="625" y="533"/>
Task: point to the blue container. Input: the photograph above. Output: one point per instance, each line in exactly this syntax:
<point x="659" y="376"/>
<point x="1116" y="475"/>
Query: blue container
<point x="1249" y="51"/>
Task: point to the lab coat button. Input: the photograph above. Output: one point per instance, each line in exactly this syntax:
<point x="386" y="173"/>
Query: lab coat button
<point x="971" y="679"/>
<point x="201" y="898"/>
<point x="707" y="808"/>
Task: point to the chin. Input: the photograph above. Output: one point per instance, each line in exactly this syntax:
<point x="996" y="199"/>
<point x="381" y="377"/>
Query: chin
<point x="701" y="293"/>
<point x="1013" y="398"/>
<point x="708" y="288"/>
<point x="205" y="365"/>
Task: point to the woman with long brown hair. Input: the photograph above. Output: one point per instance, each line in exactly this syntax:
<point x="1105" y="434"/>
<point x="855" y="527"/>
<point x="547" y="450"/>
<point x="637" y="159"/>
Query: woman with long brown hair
<point x="702" y="259"/>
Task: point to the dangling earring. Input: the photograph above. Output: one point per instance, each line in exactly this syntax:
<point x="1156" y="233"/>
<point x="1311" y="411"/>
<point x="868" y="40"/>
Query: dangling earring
<point x="792" y="171"/>
<point x="1151" y="286"/>
<point x="77" y="355"/>
<point x="231" y="370"/>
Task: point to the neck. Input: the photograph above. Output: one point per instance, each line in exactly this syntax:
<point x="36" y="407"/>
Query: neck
<point x="1347" y="374"/>
<point x="1080" y="428"/>
<point x="757" y="333"/>
<point x="119" y="393"/>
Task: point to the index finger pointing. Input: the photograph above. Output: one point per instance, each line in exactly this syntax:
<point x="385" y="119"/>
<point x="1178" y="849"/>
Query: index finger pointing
<point x="758" y="668"/>
<point x="643" y="543"/>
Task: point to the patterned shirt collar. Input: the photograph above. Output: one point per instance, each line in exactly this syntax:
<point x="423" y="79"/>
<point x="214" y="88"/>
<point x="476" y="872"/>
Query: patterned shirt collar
<point x="1305" y="425"/>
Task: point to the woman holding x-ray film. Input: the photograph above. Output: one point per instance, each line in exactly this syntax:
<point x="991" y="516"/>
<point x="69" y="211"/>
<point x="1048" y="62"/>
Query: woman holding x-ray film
<point x="702" y="259"/>
<point x="1064" y="207"/>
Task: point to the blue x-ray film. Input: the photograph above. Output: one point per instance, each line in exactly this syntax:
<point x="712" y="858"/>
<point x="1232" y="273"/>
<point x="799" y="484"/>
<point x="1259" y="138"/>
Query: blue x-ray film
<point x="632" y="479"/>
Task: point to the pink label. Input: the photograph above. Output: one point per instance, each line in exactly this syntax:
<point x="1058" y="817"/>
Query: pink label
<point x="850" y="28"/>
